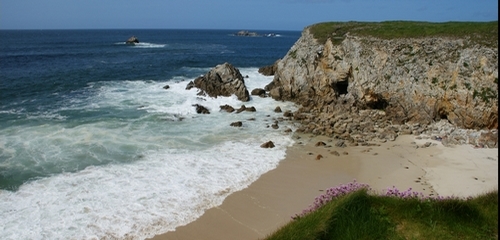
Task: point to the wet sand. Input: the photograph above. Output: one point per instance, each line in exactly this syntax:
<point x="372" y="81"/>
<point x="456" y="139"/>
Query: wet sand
<point x="311" y="168"/>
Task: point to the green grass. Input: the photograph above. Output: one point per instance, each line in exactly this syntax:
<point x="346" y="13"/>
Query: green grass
<point x="359" y="215"/>
<point x="484" y="33"/>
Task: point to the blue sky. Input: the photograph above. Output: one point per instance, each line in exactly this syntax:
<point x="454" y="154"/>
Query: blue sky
<point x="231" y="14"/>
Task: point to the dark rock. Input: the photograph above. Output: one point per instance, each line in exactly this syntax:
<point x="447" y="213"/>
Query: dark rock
<point x="269" y="144"/>
<point x="237" y="124"/>
<point x="132" y="40"/>
<point x="227" y="108"/>
<point x="223" y="80"/>
<point x="277" y="109"/>
<point x="201" y="109"/>
<point x="166" y="87"/>
<point x="258" y="92"/>
<point x="246" y="34"/>
<point x="241" y="109"/>
<point x="251" y="109"/>
<point x="190" y="85"/>
<point x="247" y="109"/>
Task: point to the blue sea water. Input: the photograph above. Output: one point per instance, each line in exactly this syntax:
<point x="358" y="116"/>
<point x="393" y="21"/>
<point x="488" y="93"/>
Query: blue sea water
<point x="93" y="147"/>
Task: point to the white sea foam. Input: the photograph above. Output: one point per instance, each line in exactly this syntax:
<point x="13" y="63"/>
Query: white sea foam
<point x="149" y="45"/>
<point x="158" y="164"/>
<point x="155" y="195"/>
<point x="143" y="45"/>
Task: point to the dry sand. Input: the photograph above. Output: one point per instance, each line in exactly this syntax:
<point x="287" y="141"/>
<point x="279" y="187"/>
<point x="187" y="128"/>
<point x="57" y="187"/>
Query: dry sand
<point x="271" y="201"/>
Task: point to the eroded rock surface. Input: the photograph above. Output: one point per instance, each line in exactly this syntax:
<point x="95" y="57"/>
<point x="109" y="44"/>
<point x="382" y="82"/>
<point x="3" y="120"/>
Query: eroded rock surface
<point x="412" y="80"/>
<point x="365" y="88"/>
<point x="222" y="80"/>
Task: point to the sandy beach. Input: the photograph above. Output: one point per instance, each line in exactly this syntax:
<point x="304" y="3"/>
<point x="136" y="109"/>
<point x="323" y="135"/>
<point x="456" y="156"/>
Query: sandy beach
<point x="310" y="168"/>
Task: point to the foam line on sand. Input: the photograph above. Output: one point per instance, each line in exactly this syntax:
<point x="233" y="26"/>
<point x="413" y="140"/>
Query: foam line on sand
<point x="311" y="167"/>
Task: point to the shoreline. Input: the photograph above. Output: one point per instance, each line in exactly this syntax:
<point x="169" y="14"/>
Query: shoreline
<point x="310" y="168"/>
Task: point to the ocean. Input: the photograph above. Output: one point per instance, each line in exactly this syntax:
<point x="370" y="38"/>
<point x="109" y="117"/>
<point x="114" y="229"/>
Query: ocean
<point x="93" y="147"/>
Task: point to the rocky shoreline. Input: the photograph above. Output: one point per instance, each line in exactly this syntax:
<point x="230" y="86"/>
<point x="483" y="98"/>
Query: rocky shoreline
<point x="365" y="90"/>
<point x="351" y="127"/>
<point x="375" y="126"/>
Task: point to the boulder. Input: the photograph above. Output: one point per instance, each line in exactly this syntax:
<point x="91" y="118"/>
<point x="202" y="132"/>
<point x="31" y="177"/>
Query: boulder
<point x="251" y="109"/>
<point x="236" y="124"/>
<point x="247" y="109"/>
<point x="227" y="108"/>
<point x="201" y="109"/>
<point x="132" y="40"/>
<point x="258" y="92"/>
<point x="223" y="80"/>
<point x="269" y="144"/>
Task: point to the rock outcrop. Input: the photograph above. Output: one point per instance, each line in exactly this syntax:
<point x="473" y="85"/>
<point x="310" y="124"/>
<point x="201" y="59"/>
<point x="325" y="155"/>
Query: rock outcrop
<point x="201" y="109"/>
<point x="408" y="80"/>
<point x="222" y="80"/>
<point x="268" y="144"/>
<point x="269" y="70"/>
<point x="132" y="40"/>
<point x="247" y="34"/>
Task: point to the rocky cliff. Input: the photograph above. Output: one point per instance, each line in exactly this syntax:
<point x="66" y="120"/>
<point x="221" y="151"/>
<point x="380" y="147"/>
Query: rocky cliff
<point x="405" y="80"/>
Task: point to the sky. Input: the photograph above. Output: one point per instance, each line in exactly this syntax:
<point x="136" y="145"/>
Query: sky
<point x="292" y="15"/>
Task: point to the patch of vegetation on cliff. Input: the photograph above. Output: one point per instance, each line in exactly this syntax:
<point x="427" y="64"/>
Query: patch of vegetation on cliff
<point x="484" y="33"/>
<point x="485" y="94"/>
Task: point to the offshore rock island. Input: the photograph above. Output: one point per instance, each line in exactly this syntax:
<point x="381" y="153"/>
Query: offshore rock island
<point x="245" y="33"/>
<point x="359" y="85"/>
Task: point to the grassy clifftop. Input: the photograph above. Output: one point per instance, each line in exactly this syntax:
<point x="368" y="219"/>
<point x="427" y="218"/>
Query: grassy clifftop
<point x="359" y="215"/>
<point x="484" y="33"/>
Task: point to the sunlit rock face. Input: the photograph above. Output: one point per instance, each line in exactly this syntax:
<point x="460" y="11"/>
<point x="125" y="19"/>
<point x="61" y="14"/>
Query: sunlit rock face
<point x="412" y="80"/>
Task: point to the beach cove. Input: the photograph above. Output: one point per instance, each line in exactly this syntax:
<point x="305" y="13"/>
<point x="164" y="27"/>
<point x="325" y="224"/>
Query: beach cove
<point x="94" y="149"/>
<point x="270" y="202"/>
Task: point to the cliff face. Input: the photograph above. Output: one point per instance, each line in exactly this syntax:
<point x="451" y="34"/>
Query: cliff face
<point x="411" y="80"/>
